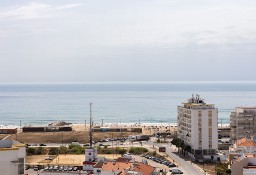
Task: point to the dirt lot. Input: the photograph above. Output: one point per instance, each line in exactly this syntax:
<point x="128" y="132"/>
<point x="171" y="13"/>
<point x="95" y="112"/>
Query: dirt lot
<point x="2" y="136"/>
<point x="64" y="137"/>
<point x="80" y="133"/>
<point x="66" y="160"/>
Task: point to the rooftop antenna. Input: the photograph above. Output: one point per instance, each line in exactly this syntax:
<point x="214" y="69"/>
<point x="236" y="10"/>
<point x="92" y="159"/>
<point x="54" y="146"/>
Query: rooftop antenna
<point x="90" y="125"/>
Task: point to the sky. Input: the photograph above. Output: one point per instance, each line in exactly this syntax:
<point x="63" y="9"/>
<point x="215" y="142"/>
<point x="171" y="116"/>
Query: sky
<point x="127" y="40"/>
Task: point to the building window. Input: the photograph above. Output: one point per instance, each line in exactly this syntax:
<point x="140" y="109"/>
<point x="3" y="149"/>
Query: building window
<point x="209" y="121"/>
<point x="21" y="166"/>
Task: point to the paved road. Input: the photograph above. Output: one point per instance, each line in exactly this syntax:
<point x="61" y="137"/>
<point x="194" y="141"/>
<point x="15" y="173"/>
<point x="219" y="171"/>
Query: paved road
<point x="187" y="167"/>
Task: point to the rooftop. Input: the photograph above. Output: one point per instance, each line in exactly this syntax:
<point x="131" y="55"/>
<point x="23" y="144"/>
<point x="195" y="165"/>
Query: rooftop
<point x="10" y="145"/>
<point x="113" y="166"/>
<point x="196" y="101"/>
<point x="145" y="169"/>
<point x="126" y="167"/>
<point x="245" y="142"/>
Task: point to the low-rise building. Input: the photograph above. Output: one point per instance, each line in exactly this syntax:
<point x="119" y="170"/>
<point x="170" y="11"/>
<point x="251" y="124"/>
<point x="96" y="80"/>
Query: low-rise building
<point x="12" y="157"/>
<point x="123" y="166"/>
<point x="243" y="146"/>
<point x="244" y="165"/>
<point x="91" y="159"/>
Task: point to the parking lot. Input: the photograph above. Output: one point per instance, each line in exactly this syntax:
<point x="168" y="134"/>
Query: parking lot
<point x="53" y="170"/>
<point x="162" y="165"/>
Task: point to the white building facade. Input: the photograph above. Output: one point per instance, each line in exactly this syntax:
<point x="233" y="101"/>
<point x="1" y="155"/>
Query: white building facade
<point x="198" y="126"/>
<point x="90" y="159"/>
<point x="12" y="157"/>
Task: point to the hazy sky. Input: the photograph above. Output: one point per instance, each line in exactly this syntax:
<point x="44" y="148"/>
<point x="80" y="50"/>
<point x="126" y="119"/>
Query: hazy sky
<point x="127" y="40"/>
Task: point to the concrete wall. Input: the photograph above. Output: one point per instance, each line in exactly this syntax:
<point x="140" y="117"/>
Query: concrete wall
<point x="237" y="167"/>
<point x="6" y="165"/>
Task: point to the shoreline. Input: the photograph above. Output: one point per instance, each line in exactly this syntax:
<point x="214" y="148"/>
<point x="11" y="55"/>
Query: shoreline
<point x="111" y="125"/>
<point x="146" y="128"/>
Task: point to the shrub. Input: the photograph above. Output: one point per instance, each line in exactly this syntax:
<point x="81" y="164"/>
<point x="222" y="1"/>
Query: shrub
<point x="138" y="150"/>
<point x="77" y="150"/>
<point x="154" y="153"/>
<point x="53" y="151"/>
<point x="71" y="146"/>
<point x="31" y="151"/>
<point x="63" y="150"/>
<point x="120" y="151"/>
<point x="40" y="151"/>
<point x="107" y="151"/>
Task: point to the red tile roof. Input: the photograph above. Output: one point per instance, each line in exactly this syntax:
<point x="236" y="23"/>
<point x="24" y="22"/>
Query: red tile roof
<point x="245" y="142"/>
<point x="123" y="159"/>
<point x="99" y="165"/>
<point x="145" y="169"/>
<point x="112" y="166"/>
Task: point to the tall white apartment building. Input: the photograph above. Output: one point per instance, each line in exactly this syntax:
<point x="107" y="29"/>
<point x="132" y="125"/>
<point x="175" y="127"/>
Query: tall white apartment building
<point x="12" y="157"/>
<point x="198" y="126"/>
<point x="243" y="123"/>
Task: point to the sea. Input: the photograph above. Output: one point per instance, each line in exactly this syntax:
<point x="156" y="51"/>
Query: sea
<point x="126" y="102"/>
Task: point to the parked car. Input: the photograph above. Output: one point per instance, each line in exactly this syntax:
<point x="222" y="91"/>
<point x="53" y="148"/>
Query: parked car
<point x="48" y="158"/>
<point x="27" y="167"/>
<point x="176" y="171"/>
<point x="171" y="165"/>
<point x="87" y="144"/>
<point x="36" y="168"/>
<point x="55" y="168"/>
<point x="50" y="168"/>
<point x="61" y="168"/>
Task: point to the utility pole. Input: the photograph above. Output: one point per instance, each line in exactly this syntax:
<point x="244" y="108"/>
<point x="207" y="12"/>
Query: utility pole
<point x="101" y="122"/>
<point x="220" y="123"/>
<point x="121" y="129"/>
<point x="90" y="125"/>
<point x="85" y="124"/>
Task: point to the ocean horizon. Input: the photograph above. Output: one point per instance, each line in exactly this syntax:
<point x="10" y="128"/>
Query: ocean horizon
<point x="116" y="102"/>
